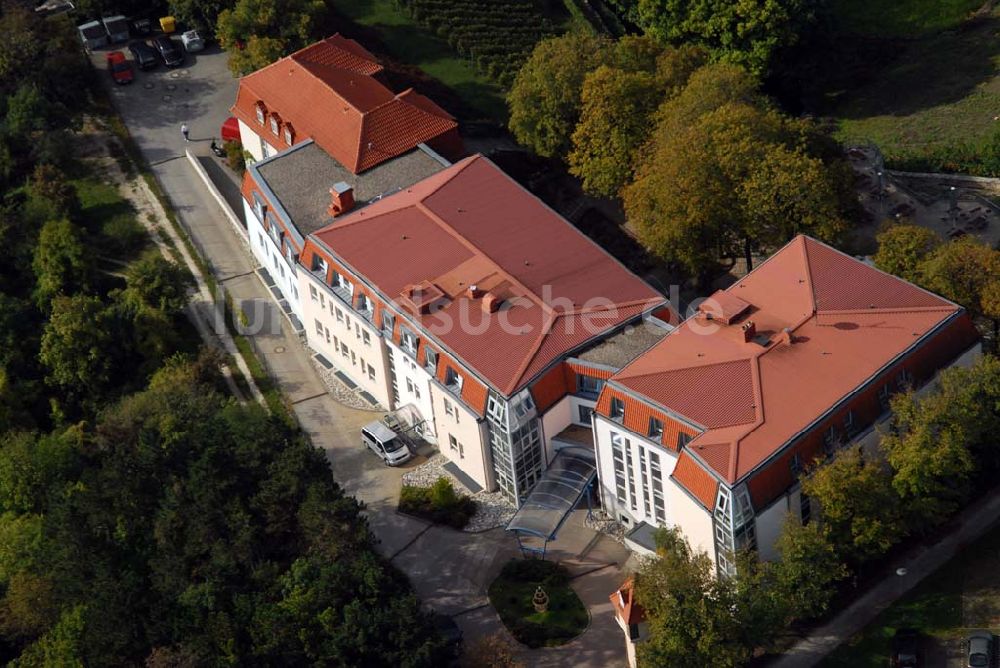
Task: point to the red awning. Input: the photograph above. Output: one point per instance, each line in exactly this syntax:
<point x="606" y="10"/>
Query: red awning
<point x="231" y="130"/>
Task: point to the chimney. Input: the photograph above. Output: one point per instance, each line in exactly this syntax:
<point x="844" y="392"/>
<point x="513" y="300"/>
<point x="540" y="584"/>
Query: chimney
<point x="341" y="199"/>
<point x="786" y="336"/>
<point x="749" y="331"/>
<point x="491" y="302"/>
<point x="475" y="292"/>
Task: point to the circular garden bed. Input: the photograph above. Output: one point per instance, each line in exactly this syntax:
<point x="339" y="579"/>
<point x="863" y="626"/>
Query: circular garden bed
<point x="512" y="595"/>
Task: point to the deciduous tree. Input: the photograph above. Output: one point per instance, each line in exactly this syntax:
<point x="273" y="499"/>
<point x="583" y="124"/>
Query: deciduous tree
<point x="545" y="99"/>
<point x="748" y="33"/>
<point x="62" y="263"/>
<point x="902" y="249"/>
<point x="78" y="347"/>
<point x="809" y="568"/>
<point x="858" y="505"/>
<point x="255" y="33"/>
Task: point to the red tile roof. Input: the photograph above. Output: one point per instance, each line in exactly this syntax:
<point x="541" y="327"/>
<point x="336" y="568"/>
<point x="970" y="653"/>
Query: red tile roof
<point x="326" y="92"/>
<point x="825" y="322"/>
<point x="625" y="606"/>
<point x="472" y="225"/>
<point x="696" y="480"/>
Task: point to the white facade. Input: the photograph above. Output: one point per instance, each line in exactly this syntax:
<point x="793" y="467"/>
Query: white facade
<point x="347" y="340"/>
<point x="412" y="386"/>
<point x="461" y="436"/>
<point x="255" y="143"/>
<point x="266" y="249"/>
<point x="634" y="475"/>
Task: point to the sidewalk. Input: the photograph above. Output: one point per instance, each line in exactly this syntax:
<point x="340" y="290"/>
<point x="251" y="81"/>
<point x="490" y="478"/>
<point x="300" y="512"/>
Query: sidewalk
<point x="976" y="521"/>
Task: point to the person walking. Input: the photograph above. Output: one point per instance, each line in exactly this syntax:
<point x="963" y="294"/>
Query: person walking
<point x="184" y="131"/>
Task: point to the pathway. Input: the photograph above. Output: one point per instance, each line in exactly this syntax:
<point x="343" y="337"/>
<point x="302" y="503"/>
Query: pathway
<point x="973" y="523"/>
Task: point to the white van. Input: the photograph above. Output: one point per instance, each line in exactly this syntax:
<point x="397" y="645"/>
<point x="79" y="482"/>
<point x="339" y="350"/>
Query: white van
<point x="385" y="443"/>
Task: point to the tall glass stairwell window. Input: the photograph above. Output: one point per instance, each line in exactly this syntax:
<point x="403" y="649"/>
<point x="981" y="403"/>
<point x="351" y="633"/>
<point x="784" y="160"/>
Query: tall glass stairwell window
<point x="515" y="444"/>
<point x="734" y="527"/>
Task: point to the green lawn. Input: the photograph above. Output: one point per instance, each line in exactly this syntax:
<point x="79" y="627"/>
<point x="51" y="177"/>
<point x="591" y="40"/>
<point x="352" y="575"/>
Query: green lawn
<point x="942" y="90"/>
<point x="963" y="594"/>
<point x="106" y="212"/>
<point x="902" y="18"/>
<point x="410" y="43"/>
<point x="511" y="595"/>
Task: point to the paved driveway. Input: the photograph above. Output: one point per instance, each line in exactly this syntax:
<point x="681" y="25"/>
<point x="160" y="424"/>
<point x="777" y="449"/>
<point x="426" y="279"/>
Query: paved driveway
<point x="450" y="570"/>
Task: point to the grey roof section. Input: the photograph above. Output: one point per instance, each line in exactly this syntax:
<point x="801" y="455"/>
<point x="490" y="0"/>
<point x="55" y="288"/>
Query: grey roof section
<point x="301" y="178"/>
<point x="555" y="496"/>
<point x="621" y="348"/>
<point x="642" y="535"/>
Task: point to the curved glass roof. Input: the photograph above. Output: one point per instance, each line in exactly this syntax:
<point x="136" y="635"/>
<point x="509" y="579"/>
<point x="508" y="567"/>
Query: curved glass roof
<point x="555" y="496"/>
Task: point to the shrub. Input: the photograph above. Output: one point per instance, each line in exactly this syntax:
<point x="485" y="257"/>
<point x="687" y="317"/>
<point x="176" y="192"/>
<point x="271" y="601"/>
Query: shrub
<point x="235" y="156"/>
<point x="443" y="496"/>
<point x="440" y="504"/>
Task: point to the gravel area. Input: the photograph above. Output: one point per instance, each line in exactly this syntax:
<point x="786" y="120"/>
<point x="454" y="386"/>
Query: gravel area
<point x="340" y="392"/>
<point x="492" y="509"/>
<point x="600" y="521"/>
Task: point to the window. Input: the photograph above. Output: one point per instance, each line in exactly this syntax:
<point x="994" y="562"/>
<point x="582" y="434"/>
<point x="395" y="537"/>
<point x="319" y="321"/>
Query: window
<point x="447" y="408"/>
<point x="265" y="148"/>
<point x="336" y="343"/>
<point x="905" y="380"/>
<point x="617" y="409"/>
<point x="883" y="397"/>
<point x="850" y="426"/>
<point x="260" y="239"/>
<point x="319" y="328"/>
<point x="260" y="112"/>
<point x="416" y="391"/>
<point x="683" y="439"/>
<point x="830" y="440"/>
<point x="805" y="508"/>
<point x="365" y="305"/>
<point x="431" y="363"/>
<point x="588" y="385"/>
<point x="456" y="446"/>
<point x="388" y="323"/>
<point x="327" y="332"/>
<point x="319" y="265"/>
<point x="586" y="414"/>
<point x="344" y="350"/>
<point x="408" y="341"/>
<point x="259" y="210"/>
<point x="289" y="134"/>
<point x="452" y="380"/>
<point x="274" y="125"/>
<point x="353" y="358"/>
<point x="371" y="372"/>
<point x="313" y="293"/>
<point x="366" y="337"/>
<point x="796" y="464"/>
<point x="409" y="386"/>
<point x="340" y="314"/>
<point x="618" y="445"/>
<point x="655" y="428"/>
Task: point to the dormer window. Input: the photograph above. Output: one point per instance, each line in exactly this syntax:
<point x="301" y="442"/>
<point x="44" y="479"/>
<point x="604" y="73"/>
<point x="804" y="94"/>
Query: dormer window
<point x="452" y="380"/>
<point x="289" y="134"/>
<point x="617" y="409"/>
<point x="259" y="208"/>
<point x="261" y="112"/>
<point x="431" y="363"/>
<point x="275" y="122"/>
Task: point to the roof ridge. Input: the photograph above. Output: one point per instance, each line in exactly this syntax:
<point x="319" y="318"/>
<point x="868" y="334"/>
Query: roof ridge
<point x="593" y="309"/>
<point x="546" y="329"/>
<point x="683" y="368"/>
<point x="900" y="309"/>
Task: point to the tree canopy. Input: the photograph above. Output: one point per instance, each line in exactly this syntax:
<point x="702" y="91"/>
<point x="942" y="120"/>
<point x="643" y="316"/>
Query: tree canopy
<point x="255" y="33"/>
<point x="747" y="33"/>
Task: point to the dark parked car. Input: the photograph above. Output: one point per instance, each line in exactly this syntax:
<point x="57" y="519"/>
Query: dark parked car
<point x="171" y="53"/>
<point x="980" y="646"/>
<point x="144" y="55"/>
<point x="905" y="649"/>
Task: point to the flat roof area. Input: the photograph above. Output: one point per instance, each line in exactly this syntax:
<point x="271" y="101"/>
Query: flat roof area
<point x="618" y="350"/>
<point x="301" y="179"/>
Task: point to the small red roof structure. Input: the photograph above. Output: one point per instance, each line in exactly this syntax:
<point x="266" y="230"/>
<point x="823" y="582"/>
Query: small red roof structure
<point x="625" y="606"/>
<point x="824" y="324"/>
<point x="490" y="272"/>
<point x="327" y="90"/>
